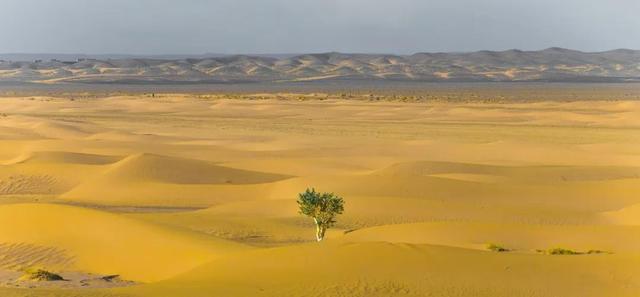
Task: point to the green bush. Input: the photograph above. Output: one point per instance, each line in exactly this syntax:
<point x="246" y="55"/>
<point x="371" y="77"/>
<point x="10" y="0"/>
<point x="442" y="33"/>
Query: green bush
<point x="322" y="207"/>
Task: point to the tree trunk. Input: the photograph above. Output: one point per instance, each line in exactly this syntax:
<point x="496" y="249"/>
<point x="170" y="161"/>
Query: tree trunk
<point x="319" y="231"/>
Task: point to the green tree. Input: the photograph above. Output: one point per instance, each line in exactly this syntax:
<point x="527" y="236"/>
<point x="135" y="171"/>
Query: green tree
<point x="322" y="207"/>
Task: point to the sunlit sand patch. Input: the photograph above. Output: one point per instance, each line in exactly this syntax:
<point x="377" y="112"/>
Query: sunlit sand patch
<point x="626" y="216"/>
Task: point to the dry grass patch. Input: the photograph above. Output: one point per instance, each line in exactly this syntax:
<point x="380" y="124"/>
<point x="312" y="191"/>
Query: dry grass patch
<point x="41" y="275"/>
<point x="497" y="248"/>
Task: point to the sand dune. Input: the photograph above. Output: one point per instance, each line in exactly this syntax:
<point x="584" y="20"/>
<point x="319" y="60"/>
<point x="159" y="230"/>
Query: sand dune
<point x="49" y="172"/>
<point x="195" y="194"/>
<point x="626" y="216"/>
<point x="537" y="174"/>
<point x="59" y="130"/>
<point x="155" y="168"/>
<point x="107" y="243"/>
<point x="579" y="195"/>
<point x="31" y="184"/>
<point x="64" y="157"/>
<point x="402" y="270"/>
<point x="261" y="222"/>
<point x="153" y="180"/>
<point x="521" y="238"/>
<point x="21" y="256"/>
<point x="553" y="64"/>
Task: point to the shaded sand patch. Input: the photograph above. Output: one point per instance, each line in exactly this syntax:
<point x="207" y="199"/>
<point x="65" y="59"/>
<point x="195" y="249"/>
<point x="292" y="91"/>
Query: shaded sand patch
<point x="152" y="180"/>
<point x="64" y="158"/>
<point x="163" y="169"/>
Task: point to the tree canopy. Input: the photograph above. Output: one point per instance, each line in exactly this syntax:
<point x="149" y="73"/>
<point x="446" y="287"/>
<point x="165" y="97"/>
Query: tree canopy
<point x="322" y="207"/>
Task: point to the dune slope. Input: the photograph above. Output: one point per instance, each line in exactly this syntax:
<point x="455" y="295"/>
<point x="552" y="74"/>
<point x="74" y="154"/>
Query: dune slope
<point x="107" y="243"/>
<point x="153" y="180"/>
<point x="384" y="269"/>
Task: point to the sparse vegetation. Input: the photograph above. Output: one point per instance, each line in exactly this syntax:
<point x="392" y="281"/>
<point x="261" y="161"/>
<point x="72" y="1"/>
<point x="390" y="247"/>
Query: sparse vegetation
<point x="110" y="278"/>
<point x="497" y="248"/>
<point x="562" y="251"/>
<point x="597" y="252"/>
<point x="322" y="207"/>
<point x="41" y="275"/>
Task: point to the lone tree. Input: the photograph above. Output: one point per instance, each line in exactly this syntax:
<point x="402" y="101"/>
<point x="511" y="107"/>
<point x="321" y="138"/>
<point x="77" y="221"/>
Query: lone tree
<point x="322" y="207"/>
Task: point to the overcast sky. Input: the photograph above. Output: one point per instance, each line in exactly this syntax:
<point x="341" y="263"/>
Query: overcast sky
<point x="302" y="26"/>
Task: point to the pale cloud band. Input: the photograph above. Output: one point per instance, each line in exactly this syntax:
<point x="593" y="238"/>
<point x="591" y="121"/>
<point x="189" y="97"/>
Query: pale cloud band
<point x="297" y="26"/>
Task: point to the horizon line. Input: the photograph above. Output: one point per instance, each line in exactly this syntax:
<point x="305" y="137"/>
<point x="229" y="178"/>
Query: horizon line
<point x="310" y="53"/>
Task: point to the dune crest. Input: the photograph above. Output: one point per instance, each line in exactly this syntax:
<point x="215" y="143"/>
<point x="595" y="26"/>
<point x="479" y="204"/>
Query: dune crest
<point x="64" y="158"/>
<point x="156" y="180"/>
<point x="164" y="169"/>
<point x="626" y="216"/>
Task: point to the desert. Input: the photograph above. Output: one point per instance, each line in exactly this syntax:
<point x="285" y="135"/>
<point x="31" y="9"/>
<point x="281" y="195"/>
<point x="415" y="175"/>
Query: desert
<point x="468" y="190"/>
<point x="334" y="148"/>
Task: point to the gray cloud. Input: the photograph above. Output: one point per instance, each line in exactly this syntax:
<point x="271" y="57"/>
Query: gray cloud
<point x="295" y="26"/>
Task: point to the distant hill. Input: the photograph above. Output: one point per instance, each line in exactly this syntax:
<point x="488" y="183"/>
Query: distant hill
<point x="552" y="64"/>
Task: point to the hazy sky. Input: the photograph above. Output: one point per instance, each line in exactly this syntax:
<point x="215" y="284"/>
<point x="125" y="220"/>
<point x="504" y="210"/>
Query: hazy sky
<point x="297" y="26"/>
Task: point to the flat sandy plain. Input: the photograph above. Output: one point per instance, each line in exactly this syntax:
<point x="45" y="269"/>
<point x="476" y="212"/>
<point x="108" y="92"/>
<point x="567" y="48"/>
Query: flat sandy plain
<point x="194" y="194"/>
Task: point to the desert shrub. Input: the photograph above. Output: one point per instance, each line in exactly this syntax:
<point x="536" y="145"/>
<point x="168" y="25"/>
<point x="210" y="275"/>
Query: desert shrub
<point x="562" y="251"/>
<point x="41" y="275"/>
<point x="597" y="252"/>
<point x="496" y="248"/>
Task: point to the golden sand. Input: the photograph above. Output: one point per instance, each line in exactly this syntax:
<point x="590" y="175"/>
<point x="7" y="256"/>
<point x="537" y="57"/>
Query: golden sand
<point x="193" y="196"/>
